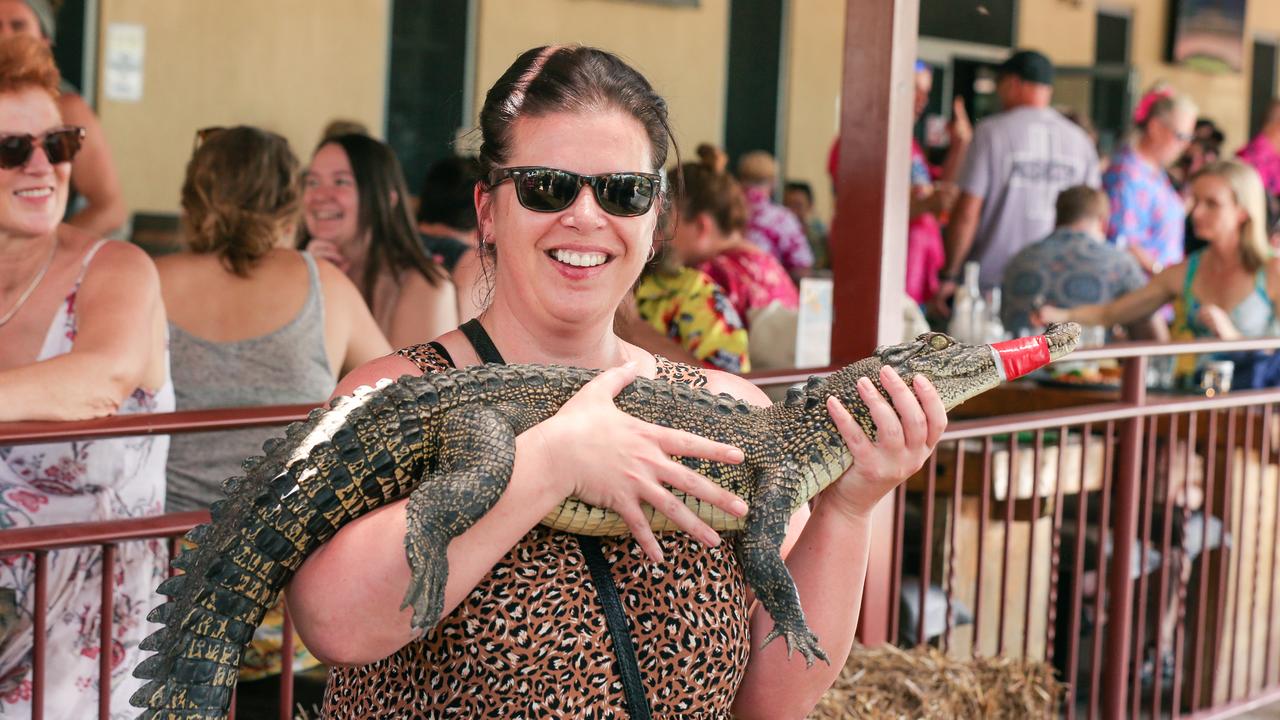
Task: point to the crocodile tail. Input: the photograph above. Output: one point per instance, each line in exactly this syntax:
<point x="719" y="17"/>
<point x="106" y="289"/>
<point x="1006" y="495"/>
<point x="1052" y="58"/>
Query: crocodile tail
<point x="327" y="471"/>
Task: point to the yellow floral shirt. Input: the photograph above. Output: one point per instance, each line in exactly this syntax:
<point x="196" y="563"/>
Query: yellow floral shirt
<point x="691" y="309"/>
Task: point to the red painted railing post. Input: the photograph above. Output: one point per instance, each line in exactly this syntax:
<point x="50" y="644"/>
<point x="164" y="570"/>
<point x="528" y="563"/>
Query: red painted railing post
<point x="1120" y="580"/>
<point x="39" y="629"/>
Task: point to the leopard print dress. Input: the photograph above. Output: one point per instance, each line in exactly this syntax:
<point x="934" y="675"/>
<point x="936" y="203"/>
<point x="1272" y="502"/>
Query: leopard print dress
<point x="530" y="641"/>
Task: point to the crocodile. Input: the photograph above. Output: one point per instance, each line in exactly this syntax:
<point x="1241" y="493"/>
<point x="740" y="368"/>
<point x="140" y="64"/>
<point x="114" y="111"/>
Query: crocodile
<point x="447" y="442"/>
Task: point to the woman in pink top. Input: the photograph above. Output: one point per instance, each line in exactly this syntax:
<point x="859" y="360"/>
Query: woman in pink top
<point x="709" y="235"/>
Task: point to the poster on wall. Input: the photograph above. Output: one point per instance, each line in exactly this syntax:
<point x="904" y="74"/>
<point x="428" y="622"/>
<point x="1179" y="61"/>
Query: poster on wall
<point x="1207" y="35"/>
<point x="126" y="45"/>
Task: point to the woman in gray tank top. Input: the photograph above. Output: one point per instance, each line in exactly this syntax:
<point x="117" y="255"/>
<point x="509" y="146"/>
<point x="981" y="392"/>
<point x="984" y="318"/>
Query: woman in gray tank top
<point x="251" y="321"/>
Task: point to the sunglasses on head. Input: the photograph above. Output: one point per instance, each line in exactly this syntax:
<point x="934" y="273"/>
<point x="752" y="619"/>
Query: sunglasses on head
<point x="547" y="190"/>
<point x="60" y="146"/>
<point x="203" y="135"/>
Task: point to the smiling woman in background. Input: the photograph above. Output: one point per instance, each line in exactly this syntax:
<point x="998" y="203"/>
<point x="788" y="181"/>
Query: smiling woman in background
<point x="99" y="208"/>
<point x="356" y="217"/>
<point x="82" y="335"/>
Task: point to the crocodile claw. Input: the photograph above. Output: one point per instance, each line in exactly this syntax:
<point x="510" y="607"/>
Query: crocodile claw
<point x="802" y="640"/>
<point x="429" y="572"/>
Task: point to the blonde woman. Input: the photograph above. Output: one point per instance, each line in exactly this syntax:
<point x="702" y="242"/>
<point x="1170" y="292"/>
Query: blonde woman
<point x="1227" y="290"/>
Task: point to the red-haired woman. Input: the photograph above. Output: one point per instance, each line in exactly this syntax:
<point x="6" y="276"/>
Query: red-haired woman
<point x="82" y="335"/>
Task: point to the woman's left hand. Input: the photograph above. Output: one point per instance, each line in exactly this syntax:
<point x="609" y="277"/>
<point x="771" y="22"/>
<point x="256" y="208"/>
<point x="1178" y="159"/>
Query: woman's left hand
<point x="906" y="433"/>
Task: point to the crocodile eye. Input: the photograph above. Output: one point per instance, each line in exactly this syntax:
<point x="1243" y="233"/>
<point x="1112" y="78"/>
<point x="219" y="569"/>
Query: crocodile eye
<point x="940" y="342"/>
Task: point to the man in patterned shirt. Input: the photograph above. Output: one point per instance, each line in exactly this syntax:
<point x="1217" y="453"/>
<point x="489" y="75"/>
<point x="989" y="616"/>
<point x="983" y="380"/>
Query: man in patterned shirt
<point x="770" y="226"/>
<point x="1072" y="266"/>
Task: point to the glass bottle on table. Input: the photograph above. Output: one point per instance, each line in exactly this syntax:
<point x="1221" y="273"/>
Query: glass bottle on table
<point x="969" y="314"/>
<point x="994" y="326"/>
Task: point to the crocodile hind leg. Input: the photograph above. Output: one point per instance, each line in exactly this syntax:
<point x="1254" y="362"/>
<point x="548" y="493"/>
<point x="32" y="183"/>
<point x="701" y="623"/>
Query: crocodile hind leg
<point x="474" y="462"/>
<point x="758" y="548"/>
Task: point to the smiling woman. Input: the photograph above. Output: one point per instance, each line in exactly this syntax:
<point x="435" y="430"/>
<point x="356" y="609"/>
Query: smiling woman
<point x="81" y="335"/>
<point x="526" y="629"/>
<point x="101" y="207"/>
<point x="355" y="216"/>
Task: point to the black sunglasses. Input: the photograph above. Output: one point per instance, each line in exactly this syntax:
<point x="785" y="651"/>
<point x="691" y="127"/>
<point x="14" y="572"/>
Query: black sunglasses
<point x="546" y="190"/>
<point x="60" y="145"/>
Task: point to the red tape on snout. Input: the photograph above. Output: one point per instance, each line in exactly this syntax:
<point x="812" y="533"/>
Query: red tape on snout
<point x="1022" y="355"/>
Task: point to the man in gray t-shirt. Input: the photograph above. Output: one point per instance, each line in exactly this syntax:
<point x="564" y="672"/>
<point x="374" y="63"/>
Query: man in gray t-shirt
<point x="1019" y="162"/>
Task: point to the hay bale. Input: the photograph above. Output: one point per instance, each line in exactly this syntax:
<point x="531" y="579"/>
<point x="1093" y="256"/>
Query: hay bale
<point x="888" y="682"/>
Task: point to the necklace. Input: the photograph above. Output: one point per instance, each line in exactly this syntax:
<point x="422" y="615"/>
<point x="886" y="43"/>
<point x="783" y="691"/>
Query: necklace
<point x="35" y="282"/>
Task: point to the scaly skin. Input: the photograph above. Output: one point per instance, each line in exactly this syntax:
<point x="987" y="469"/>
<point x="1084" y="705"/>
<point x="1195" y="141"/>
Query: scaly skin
<point x="447" y="442"/>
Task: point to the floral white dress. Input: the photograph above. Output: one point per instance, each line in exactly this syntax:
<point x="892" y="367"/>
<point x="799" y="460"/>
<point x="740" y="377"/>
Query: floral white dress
<point x="80" y="481"/>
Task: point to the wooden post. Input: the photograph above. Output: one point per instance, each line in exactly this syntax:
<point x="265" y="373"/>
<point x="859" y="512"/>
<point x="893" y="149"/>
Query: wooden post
<point x="869" y="231"/>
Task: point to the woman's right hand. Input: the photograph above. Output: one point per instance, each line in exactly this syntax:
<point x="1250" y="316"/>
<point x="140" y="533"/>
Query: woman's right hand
<point x="610" y="459"/>
<point x="1046" y="315"/>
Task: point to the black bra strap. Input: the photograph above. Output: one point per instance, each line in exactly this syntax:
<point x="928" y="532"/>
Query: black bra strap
<point x="481" y="342"/>
<point x="615" y="617"/>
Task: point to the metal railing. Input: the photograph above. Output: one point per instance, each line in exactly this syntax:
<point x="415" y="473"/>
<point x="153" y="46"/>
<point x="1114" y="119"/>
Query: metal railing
<point x="1129" y="542"/>
<point x="1121" y="469"/>
<point x="39" y="541"/>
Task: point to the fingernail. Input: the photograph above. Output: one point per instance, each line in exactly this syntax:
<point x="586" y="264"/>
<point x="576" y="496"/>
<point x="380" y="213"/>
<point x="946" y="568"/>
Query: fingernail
<point x="866" y="384"/>
<point x="712" y="539"/>
<point x="736" y="455"/>
<point x="629" y="365"/>
<point x="739" y="508"/>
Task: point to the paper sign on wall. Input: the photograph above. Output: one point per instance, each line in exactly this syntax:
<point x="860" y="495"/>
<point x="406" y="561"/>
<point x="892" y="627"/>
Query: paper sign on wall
<point x="126" y="45"/>
<point x="813" y="327"/>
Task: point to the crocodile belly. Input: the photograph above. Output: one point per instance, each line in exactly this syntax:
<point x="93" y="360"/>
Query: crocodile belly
<point x="575" y="516"/>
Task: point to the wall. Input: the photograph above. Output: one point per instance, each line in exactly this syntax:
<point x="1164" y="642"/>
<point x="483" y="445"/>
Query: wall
<point x="814" y="48"/>
<point x="1061" y="30"/>
<point x="1065" y="32"/>
<point x="681" y="50"/>
<point x="286" y="65"/>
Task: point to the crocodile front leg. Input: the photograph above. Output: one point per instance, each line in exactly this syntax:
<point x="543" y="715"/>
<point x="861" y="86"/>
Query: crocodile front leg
<point x="476" y="456"/>
<point x="758" y="548"/>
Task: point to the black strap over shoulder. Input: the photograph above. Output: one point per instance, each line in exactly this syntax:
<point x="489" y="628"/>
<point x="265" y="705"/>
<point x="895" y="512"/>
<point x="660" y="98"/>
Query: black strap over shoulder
<point x="481" y="342"/>
<point x="615" y="617"/>
<point x="619" y="633"/>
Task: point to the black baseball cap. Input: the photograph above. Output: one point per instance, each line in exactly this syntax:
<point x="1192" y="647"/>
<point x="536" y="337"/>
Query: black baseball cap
<point x="1028" y="65"/>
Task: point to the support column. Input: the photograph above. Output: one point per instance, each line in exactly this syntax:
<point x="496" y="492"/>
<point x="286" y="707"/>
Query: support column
<point x="869" y="231"/>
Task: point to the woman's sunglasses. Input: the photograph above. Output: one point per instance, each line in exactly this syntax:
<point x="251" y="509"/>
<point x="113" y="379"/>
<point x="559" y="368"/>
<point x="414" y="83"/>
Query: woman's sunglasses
<point x="547" y="190"/>
<point x="60" y="146"/>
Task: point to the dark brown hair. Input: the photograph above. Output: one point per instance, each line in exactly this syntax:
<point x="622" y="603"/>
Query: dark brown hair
<point x="573" y="78"/>
<point x="447" y="193"/>
<point x="1079" y="202"/>
<point x="242" y="190"/>
<point x="699" y="189"/>
<point x="26" y="62"/>
<point x="384" y="212"/>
